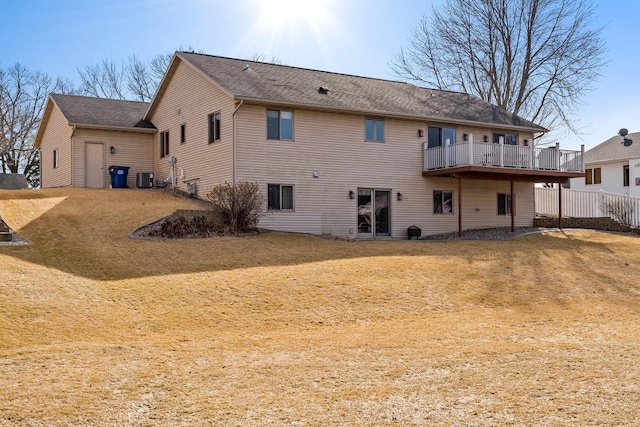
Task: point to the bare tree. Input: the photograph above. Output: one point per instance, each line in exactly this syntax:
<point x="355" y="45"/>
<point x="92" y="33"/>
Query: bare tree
<point x="534" y="58"/>
<point x="261" y="57"/>
<point x="104" y="80"/>
<point x="134" y="79"/>
<point x="23" y="97"/>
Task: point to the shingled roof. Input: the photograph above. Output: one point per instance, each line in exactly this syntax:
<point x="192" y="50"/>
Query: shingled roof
<point x="615" y="149"/>
<point x="87" y="111"/>
<point x="285" y="85"/>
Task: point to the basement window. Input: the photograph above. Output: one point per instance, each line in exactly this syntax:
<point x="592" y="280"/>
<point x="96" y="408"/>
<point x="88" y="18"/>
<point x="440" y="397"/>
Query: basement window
<point x="279" y="197"/>
<point x="504" y="204"/>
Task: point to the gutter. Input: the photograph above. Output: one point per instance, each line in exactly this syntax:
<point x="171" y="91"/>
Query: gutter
<point x="234" y="151"/>
<point x="116" y="128"/>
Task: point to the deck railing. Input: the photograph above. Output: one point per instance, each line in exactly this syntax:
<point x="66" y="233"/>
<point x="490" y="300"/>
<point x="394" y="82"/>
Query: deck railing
<point x="502" y="155"/>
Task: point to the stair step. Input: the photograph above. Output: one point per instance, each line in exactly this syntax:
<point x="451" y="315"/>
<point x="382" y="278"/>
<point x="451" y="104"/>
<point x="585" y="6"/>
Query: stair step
<point x="6" y="236"/>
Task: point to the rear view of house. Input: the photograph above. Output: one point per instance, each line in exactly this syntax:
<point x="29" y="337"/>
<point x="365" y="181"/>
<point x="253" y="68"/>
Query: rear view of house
<point x="333" y="153"/>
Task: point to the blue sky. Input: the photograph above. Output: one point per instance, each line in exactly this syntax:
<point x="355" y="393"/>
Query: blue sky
<point x="348" y="36"/>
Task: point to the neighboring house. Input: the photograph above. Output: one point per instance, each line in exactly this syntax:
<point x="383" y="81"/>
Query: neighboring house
<point x="335" y="154"/>
<point x="80" y="137"/>
<point x="612" y="166"/>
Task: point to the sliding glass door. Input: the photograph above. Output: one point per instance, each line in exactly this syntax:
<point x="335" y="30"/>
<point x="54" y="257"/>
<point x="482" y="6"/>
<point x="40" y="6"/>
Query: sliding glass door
<point x="374" y="208"/>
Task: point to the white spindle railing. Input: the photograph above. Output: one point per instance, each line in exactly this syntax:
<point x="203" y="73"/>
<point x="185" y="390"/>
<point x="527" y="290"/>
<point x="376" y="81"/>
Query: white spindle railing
<point x="502" y="155"/>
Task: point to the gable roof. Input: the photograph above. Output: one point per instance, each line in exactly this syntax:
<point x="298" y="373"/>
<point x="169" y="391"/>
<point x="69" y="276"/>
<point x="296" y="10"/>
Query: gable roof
<point x="291" y="86"/>
<point x="97" y="113"/>
<point x="613" y="150"/>
<point x="84" y="110"/>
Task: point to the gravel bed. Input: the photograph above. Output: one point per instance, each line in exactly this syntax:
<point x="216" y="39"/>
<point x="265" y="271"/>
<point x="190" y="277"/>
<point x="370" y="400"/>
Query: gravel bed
<point x="487" y="234"/>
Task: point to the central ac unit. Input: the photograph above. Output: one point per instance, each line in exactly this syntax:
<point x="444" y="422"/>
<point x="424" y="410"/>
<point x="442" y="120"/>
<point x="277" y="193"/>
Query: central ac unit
<point x="144" y="180"/>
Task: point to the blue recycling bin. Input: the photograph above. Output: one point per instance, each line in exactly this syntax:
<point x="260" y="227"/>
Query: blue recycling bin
<point x="119" y="176"/>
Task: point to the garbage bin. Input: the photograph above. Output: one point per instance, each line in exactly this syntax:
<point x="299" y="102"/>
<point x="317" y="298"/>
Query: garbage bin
<point x="119" y="176"/>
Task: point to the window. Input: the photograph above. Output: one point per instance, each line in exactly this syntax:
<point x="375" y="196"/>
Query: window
<point x="56" y="159"/>
<point x="442" y="202"/>
<point x="437" y="137"/>
<point x="214" y="127"/>
<point x="509" y="139"/>
<point x="279" y="124"/>
<point x="593" y="176"/>
<point x="164" y="143"/>
<point x="374" y="130"/>
<point x="625" y="175"/>
<point x="183" y="133"/>
<point x="279" y="197"/>
<point x="504" y="204"/>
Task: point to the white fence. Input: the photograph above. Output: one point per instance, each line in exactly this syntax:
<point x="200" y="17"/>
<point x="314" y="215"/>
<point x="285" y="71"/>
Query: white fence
<point x="589" y="204"/>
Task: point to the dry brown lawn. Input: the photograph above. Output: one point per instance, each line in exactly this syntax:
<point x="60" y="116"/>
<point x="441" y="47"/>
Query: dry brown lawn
<point x="281" y="329"/>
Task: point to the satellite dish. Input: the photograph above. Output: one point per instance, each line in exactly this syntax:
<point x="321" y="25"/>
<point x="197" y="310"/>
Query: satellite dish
<point x="627" y="142"/>
<point x="623" y="132"/>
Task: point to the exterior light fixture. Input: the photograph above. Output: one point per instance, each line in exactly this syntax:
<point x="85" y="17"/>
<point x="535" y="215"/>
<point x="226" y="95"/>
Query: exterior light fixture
<point x="399" y="196"/>
<point x="352" y="194"/>
<point x="465" y="136"/>
<point x="486" y="138"/>
<point x="420" y="133"/>
<point x="112" y="149"/>
<point x="316" y="174"/>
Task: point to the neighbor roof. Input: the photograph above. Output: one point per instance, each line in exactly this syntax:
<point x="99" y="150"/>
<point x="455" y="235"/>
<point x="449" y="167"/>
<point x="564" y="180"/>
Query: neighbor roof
<point x="285" y="85"/>
<point x="615" y="149"/>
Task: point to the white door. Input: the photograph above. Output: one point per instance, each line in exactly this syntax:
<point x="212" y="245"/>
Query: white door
<point x="94" y="165"/>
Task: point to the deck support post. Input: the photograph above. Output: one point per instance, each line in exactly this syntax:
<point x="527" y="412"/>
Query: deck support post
<point x="470" y="146"/>
<point x="460" y="207"/>
<point x="560" y="206"/>
<point x="513" y="210"/>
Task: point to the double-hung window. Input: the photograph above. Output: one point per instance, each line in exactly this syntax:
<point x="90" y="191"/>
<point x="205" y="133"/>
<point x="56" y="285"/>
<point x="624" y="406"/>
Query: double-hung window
<point x="625" y="175"/>
<point x="164" y="143"/>
<point x="279" y="197"/>
<point x="279" y="124"/>
<point x="437" y="137"/>
<point x="442" y="202"/>
<point x="504" y="204"/>
<point x="214" y="127"/>
<point x="374" y="130"/>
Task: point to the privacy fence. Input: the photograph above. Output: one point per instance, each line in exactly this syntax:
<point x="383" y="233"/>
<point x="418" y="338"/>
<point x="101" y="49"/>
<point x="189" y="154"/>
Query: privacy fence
<point x="589" y="204"/>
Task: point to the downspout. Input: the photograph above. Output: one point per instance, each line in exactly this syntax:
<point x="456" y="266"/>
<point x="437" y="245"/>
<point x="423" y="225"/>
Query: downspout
<point x="234" y="153"/>
<point x="73" y="133"/>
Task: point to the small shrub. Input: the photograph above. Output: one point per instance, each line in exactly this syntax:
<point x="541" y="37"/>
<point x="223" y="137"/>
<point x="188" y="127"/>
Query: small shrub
<point x="623" y="211"/>
<point x="181" y="227"/>
<point x="240" y="205"/>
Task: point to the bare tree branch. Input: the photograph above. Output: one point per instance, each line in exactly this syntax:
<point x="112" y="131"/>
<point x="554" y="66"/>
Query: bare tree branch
<point x="535" y="58"/>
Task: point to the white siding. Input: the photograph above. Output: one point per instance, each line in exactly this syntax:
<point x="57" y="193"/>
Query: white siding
<point x="189" y="99"/>
<point x="612" y="178"/>
<point x="334" y="146"/>
<point x="131" y="149"/>
<point x="57" y="136"/>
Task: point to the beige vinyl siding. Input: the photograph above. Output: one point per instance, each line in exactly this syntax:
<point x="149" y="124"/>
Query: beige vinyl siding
<point x="57" y="135"/>
<point x="334" y="145"/>
<point x="131" y="149"/>
<point x="189" y="99"/>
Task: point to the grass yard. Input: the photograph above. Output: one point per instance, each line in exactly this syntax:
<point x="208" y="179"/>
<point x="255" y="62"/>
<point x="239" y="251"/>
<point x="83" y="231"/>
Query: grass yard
<point x="282" y="329"/>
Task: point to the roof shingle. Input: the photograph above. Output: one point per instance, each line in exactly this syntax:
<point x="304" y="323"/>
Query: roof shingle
<point x="273" y="83"/>
<point x="83" y="110"/>
<point x="613" y="149"/>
